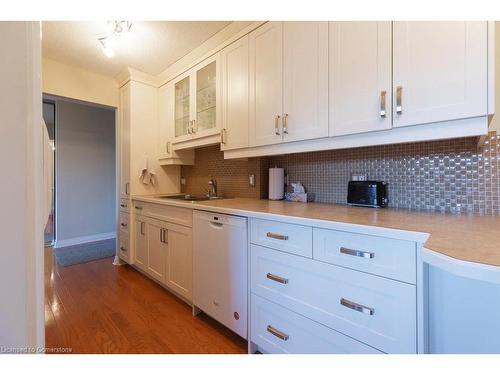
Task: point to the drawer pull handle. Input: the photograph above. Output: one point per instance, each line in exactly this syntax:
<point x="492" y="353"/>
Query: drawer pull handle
<point x="357" y="253"/>
<point x="138" y="207"/>
<point x="123" y="205"/>
<point x="122" y="248"/>
<point x="123" y="225"/>
<point x="277" y="333"/>
<point x="357" y="306"/>
<point x="277" y="236"/>
<point x="276" y="278"/>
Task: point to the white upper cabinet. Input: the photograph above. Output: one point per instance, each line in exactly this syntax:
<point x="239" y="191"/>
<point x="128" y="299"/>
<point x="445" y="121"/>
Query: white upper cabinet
<point x="197" y="103"/>
<point x="266" y="84"/>
<point x="305" y="80"/>
<point x="166" y="118"/>
<point x="182" y="108"/>
<point x="288" y="82"/>
<point x="360" y="77"/>
<point x="234" y="79"/>
<point x="440" y="71"/>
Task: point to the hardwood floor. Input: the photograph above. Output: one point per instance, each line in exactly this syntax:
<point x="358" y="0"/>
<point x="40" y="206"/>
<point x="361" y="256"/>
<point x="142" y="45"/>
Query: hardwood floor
<point x="100" y="308"/>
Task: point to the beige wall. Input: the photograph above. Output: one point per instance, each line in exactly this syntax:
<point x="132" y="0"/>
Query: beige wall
<point x="73" y="82"/>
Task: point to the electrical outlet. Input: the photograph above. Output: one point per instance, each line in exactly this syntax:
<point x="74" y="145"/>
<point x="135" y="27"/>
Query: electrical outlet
<point x="251" y="180"/>
<point x="358" y="177"/>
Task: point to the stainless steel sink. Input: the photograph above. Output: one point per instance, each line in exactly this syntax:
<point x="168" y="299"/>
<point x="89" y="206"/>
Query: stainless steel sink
<point x="190" y="198"/>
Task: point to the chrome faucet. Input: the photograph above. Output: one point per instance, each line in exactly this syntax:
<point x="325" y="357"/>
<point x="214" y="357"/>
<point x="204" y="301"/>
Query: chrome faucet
<point x="212" y="187"/>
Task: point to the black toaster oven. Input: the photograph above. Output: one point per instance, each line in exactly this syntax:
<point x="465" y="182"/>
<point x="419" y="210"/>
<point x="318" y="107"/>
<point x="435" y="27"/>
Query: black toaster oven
<point x="367" y="193"/>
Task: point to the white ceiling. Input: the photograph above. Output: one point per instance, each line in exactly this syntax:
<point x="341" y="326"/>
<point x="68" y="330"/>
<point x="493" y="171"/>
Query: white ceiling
<point x="151" y="46"/>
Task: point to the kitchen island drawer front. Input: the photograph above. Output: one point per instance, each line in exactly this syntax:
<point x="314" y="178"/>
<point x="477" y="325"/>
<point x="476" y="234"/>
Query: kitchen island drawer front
<point x="172" y="214"/>
<point x="374" y="310"/>
<point x="395" y="259"/>
<point x="292" y="238"/>
<point x="278" y="330"/>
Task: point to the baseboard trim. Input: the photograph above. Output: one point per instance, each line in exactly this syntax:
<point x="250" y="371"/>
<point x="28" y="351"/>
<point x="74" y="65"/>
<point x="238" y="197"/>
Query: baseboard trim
<point x="84" y="239"/>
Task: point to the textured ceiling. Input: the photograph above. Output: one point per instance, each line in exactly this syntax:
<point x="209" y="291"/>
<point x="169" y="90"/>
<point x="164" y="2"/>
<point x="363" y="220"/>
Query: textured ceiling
<point x="151" y="46"/>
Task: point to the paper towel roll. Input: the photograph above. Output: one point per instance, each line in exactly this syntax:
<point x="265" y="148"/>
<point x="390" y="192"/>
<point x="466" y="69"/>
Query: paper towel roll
<point x="276" y="183"/>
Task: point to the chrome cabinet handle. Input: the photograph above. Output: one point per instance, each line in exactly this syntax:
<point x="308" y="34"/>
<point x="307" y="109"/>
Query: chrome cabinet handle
<point x="399" y="95"/>
<point x="357" y="307"/>
<point x="357" y="253"/>
<point x="122" y="248"/>
<point x="168" y="147"/>
<point x="277" y="236"/>
<point x="285" y="123"/>
<point x="195" y="127"/>
<point x="163" y="236"/>
<point x="383" y="112"/>
<point x="223" y="136"/>
<point x="277" y="333"/>
<point x="277" y="278"/>
<point x="127" y="188"/>
<point x="276" y="125"/>
<point x="142" y="227"/>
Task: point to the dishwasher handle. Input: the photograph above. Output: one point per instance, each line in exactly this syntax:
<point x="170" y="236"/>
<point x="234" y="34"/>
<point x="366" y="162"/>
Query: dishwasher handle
<point x="216" y="224"/>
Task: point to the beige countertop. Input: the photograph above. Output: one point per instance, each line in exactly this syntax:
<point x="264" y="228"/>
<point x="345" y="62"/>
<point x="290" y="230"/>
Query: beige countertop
<point x="467" y="237"/>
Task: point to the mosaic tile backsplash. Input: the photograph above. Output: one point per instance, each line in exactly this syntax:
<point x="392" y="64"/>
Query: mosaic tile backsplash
<point x="231" y="175"/>
<point x="449" y="176"/>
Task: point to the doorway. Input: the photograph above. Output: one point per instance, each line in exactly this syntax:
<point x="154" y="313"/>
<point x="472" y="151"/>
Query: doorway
<point x="49" y="116"/>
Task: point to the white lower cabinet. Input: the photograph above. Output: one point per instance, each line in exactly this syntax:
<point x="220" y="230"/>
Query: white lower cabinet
<point x="179" y="268"/>
<point x="163" y="250"/>
<point x="140" y="243"/>
<point x="355" y="304"/>
<point x="157" y="250"/>
<point x="278" y="330"/>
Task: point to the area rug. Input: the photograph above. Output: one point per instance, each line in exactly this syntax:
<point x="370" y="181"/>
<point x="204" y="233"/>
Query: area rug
<point x="83" y="253"/>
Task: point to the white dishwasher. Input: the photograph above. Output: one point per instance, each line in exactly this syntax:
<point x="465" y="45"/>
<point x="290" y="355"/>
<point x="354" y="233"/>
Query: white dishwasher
<point x="220" y="268"/>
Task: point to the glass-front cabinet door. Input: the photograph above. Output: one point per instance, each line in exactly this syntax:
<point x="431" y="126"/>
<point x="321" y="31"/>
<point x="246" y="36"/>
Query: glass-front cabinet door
<point x="182" y="108"/>
<point x="197" y="109"/>
<point x="206" y="98"/>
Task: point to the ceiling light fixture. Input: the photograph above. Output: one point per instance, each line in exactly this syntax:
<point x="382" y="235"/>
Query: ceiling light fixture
<point x="117" y="29"/>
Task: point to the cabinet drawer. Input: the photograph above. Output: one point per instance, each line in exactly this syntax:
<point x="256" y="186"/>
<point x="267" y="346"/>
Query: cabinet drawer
<point x="278" y="330"/>
<point x="124" y="246"/>
<point x="386" y="257"/>
<point x="124" y="222"/>
<point x="172" y="214"/>
<point x="292" y="238"/>
<point x="376" y="311"/>
<point x="124" y="205"/>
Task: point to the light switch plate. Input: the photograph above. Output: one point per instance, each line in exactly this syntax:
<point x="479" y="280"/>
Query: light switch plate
<point x="183" y="181"/>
